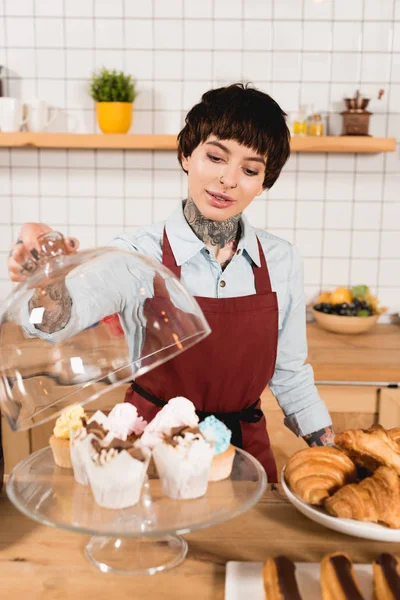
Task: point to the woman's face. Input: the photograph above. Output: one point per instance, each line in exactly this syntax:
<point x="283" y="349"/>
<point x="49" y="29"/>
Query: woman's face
<point x="223" y="177"/>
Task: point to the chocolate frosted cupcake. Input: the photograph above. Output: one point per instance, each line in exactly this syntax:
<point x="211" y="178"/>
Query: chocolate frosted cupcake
<point x="90" y="429"/>
<point x="116" y="471"/>
<point x="123" y="423"/>
<point x="183" y="461"/>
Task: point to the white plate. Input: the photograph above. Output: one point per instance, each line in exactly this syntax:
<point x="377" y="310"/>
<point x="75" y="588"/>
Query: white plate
<point x="369" y="531"/>
<point x="244" y="580"/>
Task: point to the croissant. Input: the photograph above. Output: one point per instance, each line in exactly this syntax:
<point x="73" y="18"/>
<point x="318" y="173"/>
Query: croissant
<point x="394" y="434"/>
<point x="375" y="499"/>
<point x="315" y="473"/>
<point x="370" y="448"/>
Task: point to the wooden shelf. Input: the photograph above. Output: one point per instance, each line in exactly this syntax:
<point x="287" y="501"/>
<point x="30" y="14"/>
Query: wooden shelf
<point x="168" y="142"/>
<point x="349" y="143"/>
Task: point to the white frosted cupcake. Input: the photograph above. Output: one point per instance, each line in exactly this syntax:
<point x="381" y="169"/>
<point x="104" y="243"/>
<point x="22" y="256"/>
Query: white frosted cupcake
<point x="116" y="472"/>
<point x="177" y="413"/>
<point x="219" y="435"/>
<point x="123" y="423"/>
<point x="183" y="461"/>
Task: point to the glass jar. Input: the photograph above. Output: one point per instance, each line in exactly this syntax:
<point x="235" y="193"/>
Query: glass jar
<point x="316" y="125"/>
<point x="299" y="122"/>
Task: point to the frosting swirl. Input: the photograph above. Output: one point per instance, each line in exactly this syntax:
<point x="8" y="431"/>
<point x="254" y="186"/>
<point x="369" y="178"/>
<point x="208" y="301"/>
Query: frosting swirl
<point x="70" y="418"/>
<point x="217" y="433"/>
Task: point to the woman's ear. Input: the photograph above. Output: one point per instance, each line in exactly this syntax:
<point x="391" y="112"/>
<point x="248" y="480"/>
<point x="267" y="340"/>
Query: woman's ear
<point x="185" y="161"/>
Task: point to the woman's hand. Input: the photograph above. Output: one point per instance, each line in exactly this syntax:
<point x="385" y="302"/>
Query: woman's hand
<point x="25" y="253"/>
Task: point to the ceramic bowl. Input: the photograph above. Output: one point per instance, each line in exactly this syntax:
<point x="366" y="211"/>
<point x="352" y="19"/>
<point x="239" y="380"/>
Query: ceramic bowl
<point x="347" y="325"/>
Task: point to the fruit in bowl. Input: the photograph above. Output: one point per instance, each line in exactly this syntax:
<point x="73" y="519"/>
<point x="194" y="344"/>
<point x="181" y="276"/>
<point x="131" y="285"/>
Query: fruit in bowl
<point x="347" y="310"/>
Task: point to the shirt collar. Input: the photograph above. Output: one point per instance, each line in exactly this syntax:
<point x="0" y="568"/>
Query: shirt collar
<point x="185" y="244"/>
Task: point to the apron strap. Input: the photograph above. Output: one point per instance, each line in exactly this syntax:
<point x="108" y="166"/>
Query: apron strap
<point x="262" y="280"/>
<point x="252" y="414"/>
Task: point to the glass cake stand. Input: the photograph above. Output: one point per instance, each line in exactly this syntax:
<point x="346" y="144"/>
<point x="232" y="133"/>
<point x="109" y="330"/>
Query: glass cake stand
<point x="144" y="539"/>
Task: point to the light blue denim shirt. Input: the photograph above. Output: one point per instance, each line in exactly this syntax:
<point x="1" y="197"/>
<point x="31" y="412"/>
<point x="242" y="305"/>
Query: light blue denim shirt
<point x="293" y="382"/>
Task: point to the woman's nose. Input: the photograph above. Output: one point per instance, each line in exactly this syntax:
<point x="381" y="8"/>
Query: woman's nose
<point x="228" y="178"/>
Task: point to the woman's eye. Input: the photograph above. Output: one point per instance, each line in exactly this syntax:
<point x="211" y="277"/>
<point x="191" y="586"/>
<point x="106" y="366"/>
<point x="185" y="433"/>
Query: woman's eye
<point x="250" y="172"/>
<point x="214" y="158"/>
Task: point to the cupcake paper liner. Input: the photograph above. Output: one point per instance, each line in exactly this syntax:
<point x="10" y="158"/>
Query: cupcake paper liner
<point x="182" y="477"/>
<point x="118" y="483"/>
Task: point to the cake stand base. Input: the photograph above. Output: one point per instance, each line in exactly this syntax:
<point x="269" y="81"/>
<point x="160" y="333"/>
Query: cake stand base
<point x="136" y="556"/>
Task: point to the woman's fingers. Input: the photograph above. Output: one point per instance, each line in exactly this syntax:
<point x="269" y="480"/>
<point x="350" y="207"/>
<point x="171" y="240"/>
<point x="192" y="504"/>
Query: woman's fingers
<point x="72" y="245"/>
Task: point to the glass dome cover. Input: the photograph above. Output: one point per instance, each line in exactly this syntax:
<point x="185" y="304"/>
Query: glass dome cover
<point x="84" y="323"/>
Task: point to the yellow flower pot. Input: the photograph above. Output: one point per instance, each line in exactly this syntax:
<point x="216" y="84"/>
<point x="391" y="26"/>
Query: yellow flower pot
<point x="114" y="117"/>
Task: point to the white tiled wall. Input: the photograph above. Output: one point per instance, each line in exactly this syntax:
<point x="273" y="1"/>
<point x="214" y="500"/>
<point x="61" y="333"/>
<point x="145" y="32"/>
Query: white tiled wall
<point x="343" y="211"/>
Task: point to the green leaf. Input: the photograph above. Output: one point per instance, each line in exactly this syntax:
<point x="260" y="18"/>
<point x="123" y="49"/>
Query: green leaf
<point x="110" y="86"/>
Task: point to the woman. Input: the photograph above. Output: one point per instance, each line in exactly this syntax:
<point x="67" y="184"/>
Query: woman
<point x="247" y="281"/>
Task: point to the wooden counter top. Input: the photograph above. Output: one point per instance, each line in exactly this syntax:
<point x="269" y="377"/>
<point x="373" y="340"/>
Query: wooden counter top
<point x="42" y="563"/>
<point x="373" y="356"/>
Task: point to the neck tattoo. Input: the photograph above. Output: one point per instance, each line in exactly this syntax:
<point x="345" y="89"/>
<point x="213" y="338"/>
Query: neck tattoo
<point x="214" y="233"/>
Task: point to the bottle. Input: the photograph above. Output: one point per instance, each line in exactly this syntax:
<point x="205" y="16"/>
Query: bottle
<point x="300" y="122"/>
<point x="316" y="126"/>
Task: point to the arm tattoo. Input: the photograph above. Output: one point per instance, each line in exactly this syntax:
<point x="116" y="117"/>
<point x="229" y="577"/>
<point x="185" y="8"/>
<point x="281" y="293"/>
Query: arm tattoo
<point x="323" y="437"/>
<point x="216" y="233"/>
<point x="57" y="303"/>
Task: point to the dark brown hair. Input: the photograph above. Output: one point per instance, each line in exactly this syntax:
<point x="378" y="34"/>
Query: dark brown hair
<point x="241" y="113"/>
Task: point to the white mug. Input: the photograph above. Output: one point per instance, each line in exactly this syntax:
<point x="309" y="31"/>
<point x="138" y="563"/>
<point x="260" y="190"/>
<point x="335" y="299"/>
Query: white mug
<point x="38" y="118"/>
<point x="11" y="114"/>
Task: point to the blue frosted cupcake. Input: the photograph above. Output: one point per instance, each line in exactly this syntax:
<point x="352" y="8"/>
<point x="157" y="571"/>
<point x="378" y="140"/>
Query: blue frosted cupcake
<point x="219" y="435"/>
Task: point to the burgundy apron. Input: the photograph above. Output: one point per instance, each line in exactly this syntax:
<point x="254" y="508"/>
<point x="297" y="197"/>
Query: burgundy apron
<point x="225" y="373"/>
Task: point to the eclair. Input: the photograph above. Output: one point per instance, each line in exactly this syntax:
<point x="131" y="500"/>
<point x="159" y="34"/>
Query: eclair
<point x="279" y="579"/>
<point x="386" y="577"/>
<point x="338" y="580"/>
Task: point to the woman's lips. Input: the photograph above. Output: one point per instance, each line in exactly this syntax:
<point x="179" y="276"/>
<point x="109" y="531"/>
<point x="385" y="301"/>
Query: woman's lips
<point x="219" y="200"/>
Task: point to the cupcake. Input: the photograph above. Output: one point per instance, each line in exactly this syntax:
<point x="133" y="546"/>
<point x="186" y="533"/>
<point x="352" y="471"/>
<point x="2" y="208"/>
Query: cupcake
<point x="89" y="430"/>
<point x="219" y="435"/>
<point x="183" y="460"/>
<point x="123" y="422"/>
<point x="69" y="420"/>
<point x="116" y="471"/>
<point x="177" y="413"/>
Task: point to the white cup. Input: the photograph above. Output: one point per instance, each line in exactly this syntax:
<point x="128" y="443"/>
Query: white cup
<point x="11" y="114"/>
<point x="38" y="118"/>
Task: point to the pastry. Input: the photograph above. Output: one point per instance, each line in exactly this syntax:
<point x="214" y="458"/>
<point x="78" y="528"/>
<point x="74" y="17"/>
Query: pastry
<point x="394" y="434"/>
<point x="375" y="499"/>
<point x="69" y="420"/>
<point x="315" y="473"/>
<point x="338" y="580"/>
<point x="178" y="412"/>
<point x="116" y="471"/>
<point x="219" y="436"/>
<point x="386" y="577"/>
<point x="279" y="579"/>
<point x="123" y="422"/>
<point x="183" y="461"/>
<point x="370" y="448"/>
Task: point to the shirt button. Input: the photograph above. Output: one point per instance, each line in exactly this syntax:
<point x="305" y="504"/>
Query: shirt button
<point x="222" y="283"/>
<point x="207" y="251"/>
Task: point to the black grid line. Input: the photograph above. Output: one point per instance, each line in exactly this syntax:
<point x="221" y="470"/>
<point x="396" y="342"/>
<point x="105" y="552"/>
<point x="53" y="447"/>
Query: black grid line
<point x="361" y="166"/>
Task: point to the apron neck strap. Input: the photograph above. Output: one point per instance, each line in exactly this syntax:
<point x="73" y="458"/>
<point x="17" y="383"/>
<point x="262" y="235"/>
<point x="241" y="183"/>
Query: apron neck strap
<point x="261" y="275"/>
<point x="168" y="258"/>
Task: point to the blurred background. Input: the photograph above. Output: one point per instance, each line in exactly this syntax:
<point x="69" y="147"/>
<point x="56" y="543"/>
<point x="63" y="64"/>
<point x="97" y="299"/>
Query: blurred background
<point x="341" y="210"/>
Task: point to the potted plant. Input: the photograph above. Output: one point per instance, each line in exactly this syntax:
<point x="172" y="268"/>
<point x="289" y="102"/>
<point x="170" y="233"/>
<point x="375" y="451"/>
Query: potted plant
<point x="114" y="94"/>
